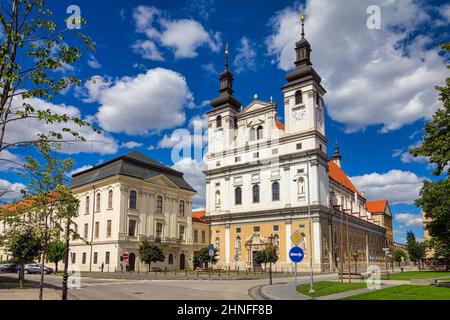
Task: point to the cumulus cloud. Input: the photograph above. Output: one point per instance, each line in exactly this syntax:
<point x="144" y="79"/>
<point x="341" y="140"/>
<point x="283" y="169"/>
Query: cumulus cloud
<point x="131" y="145"/>
<point x="406" y="157"/>
<point x="373" y="77"/>
<point x="9" y="161"/>
<point x="146" y="103"/>
<point x="409" y="219"/>
<point x="10" y="190"/>
<point x="183" y="36"/>
<point x="396" y="185"/>
<point x="245" y="56"/>
<point x="193" y="173"/>
<point x="29" y="129"/>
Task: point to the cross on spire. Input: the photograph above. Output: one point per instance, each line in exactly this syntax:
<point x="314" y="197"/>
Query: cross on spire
<point x="302" y="18"/>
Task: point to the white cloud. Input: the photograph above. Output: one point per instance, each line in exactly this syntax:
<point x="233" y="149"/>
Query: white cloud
<point x="92" y="88"/>
<point x="80" y="169"/>
<point x="131" y="145"/>
<point x="28" y="129"/>
<point x="151" y="147"/>
<point x="10" y="190"/>
<point x="245" y="56"/>
<point x="409" y="219"/>
<point x="407" y="157"/>
<point x="210" y="68"/>
<point x="445" y="12"/>
<point x="183" y="36"/>
<point x="373" y="77"/>
<point x="9" y="161"/>
<point x="396" y="185"/>
<point x="203" y="8"/>
<point x="148" y="50"/>
<point x="193" y="173"/>
<point x="93" y="63"/>
<point x="146" y="103"/>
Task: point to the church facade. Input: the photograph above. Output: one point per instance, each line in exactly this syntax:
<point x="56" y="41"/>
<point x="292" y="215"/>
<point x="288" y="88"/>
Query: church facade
<point x="266" y="179"/>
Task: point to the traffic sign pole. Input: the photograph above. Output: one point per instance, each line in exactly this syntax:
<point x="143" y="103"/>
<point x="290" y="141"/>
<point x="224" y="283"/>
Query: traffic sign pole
<point x="295" y="288"/>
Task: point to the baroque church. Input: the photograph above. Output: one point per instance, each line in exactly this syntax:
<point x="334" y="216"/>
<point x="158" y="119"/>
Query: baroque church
<point x="266" y="179"/>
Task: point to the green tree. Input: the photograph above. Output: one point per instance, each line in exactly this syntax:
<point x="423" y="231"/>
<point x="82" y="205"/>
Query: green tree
<point x="436" y="142"/>
<point x="416" y="250"/>
<point x="24" y="247"/>
<point x="435" y="196"/>
<point x="202" y="257"/>
<point x="149" y="253"/>
<point x="55" y="252"/>
<point x="33" y="53"/>
<point x="267" y="255"/>
<point x="398" y="254"/>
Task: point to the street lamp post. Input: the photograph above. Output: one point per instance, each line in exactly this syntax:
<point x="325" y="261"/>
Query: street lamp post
<point x="270" y="259"/>
<point x="66" y="261"/>
<point x="311" y="284"/>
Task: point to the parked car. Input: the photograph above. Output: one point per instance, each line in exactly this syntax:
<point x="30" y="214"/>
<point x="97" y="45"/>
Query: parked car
<point x="34" y="268"/>
<point x="7" y="267"/>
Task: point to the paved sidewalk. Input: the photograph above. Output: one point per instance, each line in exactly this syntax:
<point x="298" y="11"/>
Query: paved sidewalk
<point x="29" y="294"/>
<point x="282" y="291"/>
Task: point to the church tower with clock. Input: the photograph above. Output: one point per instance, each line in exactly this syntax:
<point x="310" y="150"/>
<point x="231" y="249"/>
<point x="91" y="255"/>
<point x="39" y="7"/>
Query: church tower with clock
<point x="265" y="179"/>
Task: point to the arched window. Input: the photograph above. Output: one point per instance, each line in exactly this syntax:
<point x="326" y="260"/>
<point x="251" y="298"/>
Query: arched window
<point x="217" y="200"/>
<point x="298" y="97"/>
<point x="238" y="195"/>
<point x="87" y="205"/>
<point x="159" y="204"/>
<point x="97" y="202"/>
<point x="252" y="134"/>
<point x="219" y="121"/>
<point x="255" y="193"/>
<point x="259" y="132"/>
<point x="110" y="199"/>
<point x="217" y="243"/>
<point x="170" y="258"/>
<point x="275" y="191"/>
<point x="133" y="198"/>
<point x="182" y="208"/>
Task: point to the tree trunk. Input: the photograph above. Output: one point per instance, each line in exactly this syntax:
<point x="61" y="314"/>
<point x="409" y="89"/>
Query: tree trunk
<point x="56" y="266"/>
<point x="41" y="283"/>
<point x="21" y="276"/>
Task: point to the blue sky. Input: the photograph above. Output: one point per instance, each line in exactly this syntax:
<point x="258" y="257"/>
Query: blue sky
<point x="157" y="63"/>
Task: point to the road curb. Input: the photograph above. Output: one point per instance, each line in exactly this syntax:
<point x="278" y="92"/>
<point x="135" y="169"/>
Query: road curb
<point x="256" y="293"/>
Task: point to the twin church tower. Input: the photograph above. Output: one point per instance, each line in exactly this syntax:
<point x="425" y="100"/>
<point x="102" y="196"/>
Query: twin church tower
<point x="258" y="170"/>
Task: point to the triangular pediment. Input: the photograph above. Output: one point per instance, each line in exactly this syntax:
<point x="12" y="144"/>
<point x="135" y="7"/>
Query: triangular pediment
<point x="256" y="106"/>
<point x="162" y="180"/>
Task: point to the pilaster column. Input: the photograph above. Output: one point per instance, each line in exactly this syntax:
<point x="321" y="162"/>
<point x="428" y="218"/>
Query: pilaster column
<point x="227" y="244"/>
<point x="316" y="242"/>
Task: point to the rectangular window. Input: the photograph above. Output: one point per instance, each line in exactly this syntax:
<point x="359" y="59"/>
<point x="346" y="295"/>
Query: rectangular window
<point x="256" y="155"/>
<point x="107" y="257"/>
<point x="132" y="228"/>
<point x="74" y="257"/>
<point x="203" y="236"/>
<point x="301" y="226"/>
<point x="256" y="229"/>
<point x="97" y="230"/>
<point x="86" y="230"/>
<point x="275" y="228"/>
<point x="195" y="235"/>
<point x="95" y="257"/>
<point x="159" y="228"/>
<point x="108" y="228"/>
<point x="218" y="163"/>
<point x="238" y="230"/>
<point x="181" y="233"/>
<point x="83" y="260"/>
<point x="274" y="151"/>
<point x="299" y="146"/>
<point x="237" y="159"/>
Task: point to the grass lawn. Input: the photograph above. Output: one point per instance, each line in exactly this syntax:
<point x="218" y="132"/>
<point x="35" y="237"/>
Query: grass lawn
<point x="405" y="292"/>
<point x="324" y="288"/>
<point x="416" y="275"/>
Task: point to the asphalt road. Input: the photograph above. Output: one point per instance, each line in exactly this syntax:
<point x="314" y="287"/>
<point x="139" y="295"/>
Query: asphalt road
<point x="113" y="289"/>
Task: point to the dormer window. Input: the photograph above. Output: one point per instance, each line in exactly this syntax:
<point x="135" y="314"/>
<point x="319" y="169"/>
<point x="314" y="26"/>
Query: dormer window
<point x="298" y="97"/>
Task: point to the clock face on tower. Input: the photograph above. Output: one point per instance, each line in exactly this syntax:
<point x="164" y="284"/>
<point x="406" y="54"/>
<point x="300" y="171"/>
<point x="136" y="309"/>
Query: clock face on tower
<point x="298" y="113"/>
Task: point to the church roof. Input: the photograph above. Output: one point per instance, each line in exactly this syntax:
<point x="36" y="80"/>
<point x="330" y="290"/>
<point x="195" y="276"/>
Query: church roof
<point x="338" y="175"/>
<point x="377" y="206"/>
<point x="133" y="164"/>
<point x="199" y="216"/>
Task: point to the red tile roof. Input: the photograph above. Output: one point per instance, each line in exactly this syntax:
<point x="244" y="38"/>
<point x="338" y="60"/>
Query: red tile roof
<point x="338" y="175"/>
<point x="279" y="124"/>
<point x="376" y="206"/>
<point x="199" y="215"/>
